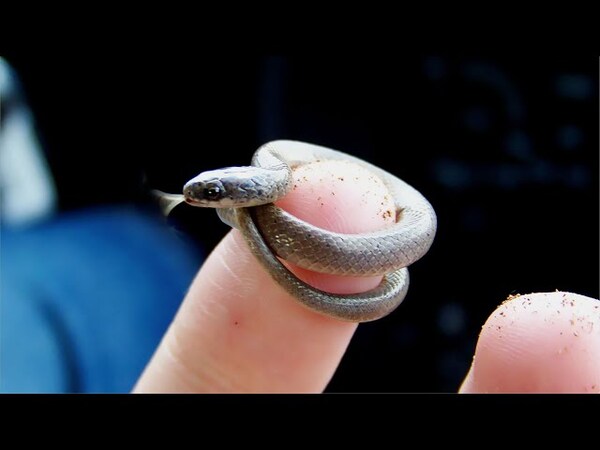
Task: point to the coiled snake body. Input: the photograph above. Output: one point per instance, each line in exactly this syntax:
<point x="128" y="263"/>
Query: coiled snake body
<point x="244" y="197"/>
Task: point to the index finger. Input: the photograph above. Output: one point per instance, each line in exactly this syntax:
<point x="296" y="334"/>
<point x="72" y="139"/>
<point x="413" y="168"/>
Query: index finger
<point x="238" y="331"/>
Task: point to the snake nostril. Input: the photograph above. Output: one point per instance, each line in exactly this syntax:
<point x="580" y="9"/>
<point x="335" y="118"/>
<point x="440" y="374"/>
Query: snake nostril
<point x="188" y="191"/>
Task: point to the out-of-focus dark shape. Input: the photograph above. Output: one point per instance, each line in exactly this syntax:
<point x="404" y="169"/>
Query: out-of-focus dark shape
<point x="86" y="295"/>
<point x="575" y="86"/>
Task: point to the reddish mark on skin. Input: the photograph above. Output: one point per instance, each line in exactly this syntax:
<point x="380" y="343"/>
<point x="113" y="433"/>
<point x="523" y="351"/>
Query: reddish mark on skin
<point x="398" y="215"/>
<point x="236" y="322"/>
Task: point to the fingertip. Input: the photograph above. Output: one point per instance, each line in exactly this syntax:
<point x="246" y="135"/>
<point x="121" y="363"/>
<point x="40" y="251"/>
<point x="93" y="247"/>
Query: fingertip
<point x="541" y="342"/>
<point x="344" y="197"/>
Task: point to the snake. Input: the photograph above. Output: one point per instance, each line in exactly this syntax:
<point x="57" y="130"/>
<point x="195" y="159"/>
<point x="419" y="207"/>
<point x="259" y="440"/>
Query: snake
<point x="244" y="198"/>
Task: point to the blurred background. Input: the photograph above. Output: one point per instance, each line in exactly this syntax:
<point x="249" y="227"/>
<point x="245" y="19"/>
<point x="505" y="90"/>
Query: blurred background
<point x="505" y="148"/>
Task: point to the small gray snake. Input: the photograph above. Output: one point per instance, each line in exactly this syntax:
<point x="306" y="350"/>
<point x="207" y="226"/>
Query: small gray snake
<point x="244" y="197"/>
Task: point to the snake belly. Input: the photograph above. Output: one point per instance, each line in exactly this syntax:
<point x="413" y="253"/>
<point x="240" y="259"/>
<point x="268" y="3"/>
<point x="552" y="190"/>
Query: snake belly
<point x="272" y="232"/>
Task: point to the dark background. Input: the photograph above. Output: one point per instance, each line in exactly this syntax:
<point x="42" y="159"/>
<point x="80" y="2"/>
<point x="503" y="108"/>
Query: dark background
<point x="505" y="148"/>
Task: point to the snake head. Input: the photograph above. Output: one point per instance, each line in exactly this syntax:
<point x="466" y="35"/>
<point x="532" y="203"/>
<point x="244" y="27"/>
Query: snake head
<point x="236" y="187"/>
<point x="207" y="193"/>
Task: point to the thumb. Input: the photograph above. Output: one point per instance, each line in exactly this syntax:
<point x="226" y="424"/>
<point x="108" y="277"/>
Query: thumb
<point x="239" y="331"/>
<point x="543" y="342"/>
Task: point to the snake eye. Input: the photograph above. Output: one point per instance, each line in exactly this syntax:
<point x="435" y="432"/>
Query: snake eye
<point x="212" y="192"/>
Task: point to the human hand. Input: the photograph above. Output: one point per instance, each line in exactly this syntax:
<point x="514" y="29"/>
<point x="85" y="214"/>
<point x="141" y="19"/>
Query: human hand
<point x="238" y="331"/>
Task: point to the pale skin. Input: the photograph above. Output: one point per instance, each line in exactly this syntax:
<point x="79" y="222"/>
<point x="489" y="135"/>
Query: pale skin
<point x="238" y="331"/>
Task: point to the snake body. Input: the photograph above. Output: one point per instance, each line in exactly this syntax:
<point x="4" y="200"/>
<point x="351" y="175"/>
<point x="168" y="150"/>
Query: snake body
<point x="244" y="197"/>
